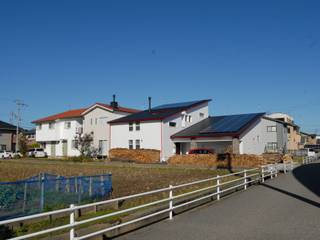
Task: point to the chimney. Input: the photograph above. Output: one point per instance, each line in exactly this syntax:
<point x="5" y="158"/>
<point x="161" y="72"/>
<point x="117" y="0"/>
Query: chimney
<point x="114" y="104"/>
<point x="149" y="100"/>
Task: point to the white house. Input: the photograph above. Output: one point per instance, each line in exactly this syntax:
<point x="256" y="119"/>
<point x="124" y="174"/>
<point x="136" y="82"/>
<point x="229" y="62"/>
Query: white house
<point x="57" y="133"/>
<point x="243" y="133"/>
<point x="153" y="128"/>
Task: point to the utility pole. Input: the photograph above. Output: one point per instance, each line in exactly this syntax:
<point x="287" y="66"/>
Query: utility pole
<point x="19" y="104"/>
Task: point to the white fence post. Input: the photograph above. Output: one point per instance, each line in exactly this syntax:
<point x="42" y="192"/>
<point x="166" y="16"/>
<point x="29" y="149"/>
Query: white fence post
<point x="262" y="174"/>
<point x="218" y="187"/>
<point x="72" y="220"/>
<point x="285" y="167"/>
<point x="271" y="175"/>
<point x="276" y="173"/>
<point x="170" y="203"/>
<point x="245" y="179"/>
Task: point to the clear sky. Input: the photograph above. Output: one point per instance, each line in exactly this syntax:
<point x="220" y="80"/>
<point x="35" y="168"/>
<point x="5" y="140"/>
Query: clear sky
<point x="248" y="56"/>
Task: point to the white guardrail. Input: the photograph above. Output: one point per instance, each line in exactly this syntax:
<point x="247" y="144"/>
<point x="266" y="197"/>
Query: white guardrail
<point x="244" y="178"/>
<point x="309" y="159"/>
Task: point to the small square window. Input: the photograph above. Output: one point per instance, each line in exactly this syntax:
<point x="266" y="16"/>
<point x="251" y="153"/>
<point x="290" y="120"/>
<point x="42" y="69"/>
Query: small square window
<point x="67" y="125"/>
<point x="131" y="127"/>
<point x="51" y="125"/>
<point x="201" y="115"/>
<point x="172" y="124"/>
<point x="137" y="126"/>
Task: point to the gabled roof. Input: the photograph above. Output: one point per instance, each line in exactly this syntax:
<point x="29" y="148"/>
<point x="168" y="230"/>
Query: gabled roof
<point x="7" y="126"/>
<point x="109" y="107"/>
<point x="75" y="113"/>
<point x="220" y="126"/>
<point x="160" y="112"/>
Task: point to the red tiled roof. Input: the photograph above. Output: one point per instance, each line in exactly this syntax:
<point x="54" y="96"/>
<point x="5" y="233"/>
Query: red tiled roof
<point x="68" y="114"/>
<point x="119" y="108"/>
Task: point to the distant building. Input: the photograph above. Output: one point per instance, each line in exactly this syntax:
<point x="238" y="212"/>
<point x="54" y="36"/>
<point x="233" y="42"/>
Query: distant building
<point x="57" y="133"/>
<point x="242" y="134"/>
<point x="8" y="136"/>
<point x="294" y="137"/>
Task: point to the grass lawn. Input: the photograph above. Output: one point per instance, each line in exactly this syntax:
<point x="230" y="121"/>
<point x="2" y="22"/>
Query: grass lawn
<point x="127" y="178"/>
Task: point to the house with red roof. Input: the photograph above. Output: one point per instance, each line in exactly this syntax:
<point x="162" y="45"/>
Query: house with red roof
<point x="56" y="133"/>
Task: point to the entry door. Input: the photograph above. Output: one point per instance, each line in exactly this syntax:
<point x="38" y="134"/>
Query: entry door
<point x="103" y="147"/>
<point x="65" y="148"/>
<point x="53" y="149"/>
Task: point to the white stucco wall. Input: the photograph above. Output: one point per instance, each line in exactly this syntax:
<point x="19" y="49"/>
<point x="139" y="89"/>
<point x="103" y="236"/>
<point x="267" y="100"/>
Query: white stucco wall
<point x="100" y="127"/>
<point x="149" y="135"/>
<point x="168" y="144"/>
<point x="255" y="139"/>
<point x="58" y="135"/>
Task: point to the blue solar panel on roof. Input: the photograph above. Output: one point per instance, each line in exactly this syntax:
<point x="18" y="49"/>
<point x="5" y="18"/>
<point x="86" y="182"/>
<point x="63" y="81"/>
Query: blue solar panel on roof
<point x="231" y="123"/>
<point x="176" y="105"/>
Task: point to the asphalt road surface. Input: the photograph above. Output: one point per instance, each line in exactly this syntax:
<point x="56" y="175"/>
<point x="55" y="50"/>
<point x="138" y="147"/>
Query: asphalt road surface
<point x="287" y="207"/>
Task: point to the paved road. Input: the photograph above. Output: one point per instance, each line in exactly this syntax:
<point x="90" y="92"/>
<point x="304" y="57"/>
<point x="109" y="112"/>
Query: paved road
<point x="284" y="208"/>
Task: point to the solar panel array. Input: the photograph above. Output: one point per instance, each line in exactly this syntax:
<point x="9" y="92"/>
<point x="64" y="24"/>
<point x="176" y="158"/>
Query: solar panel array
<point x="175" y="105"/>
<point x="232" y="123"/>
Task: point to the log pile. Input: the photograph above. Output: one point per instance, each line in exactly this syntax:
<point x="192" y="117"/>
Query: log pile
<point x="204" y="160"/>
<point x="135" y="155"/>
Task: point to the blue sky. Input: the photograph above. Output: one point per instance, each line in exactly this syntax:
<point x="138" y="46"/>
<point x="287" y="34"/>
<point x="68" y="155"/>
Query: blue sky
<point x="248" y="56"/>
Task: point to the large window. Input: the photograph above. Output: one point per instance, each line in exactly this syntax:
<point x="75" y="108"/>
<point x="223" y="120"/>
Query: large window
<point x="130" y="126"/>
<point x="51" y="125"/>
<point x="271" y="128"/>
<point x="272" y="147"/>
<point x="137" y="144"/>
<point x="130" y="144"/>
<point x="137" y="126"/>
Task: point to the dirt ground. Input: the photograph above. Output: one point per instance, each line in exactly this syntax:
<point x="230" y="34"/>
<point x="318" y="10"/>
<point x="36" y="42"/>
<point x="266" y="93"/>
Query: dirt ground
<point x="128" y="178"/>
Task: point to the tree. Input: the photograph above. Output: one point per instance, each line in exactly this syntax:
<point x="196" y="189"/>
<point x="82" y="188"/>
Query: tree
<point x="83" y="142"/>
<point x="23" y="144"/>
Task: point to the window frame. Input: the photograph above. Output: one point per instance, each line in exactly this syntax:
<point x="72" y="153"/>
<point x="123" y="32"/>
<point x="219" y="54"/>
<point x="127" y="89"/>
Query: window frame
<point x="137" y="144"/>
<point x="272" y="128"/>
<point x="130" y="144"/>
<point x="130" y="126"/>
<point x="51" y="125"/>
<point x="138" y="127"/>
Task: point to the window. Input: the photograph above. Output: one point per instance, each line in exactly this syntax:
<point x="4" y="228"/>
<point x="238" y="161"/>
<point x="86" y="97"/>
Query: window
<point x="67" y="125"/>
<point x="272" y="147"/>
<point x="130" y="144"/>
<point x="40" y="126"/>
<point x="3" y="147"/>
<point x="131" y="127"/>
<point x="51" y="125"/>
<point x="189" y="118"/>
<point x="137" y="144"/>
<point x="91" y="121"/>
<point x="271" y="128"/>
<point x="183" y="121"/>
<point x="96" y="121"/>
<point x="172" y="124"/>
<point x="137" y="126"/>
<point x="201" y="115"/>
<point x="75" y="144"/>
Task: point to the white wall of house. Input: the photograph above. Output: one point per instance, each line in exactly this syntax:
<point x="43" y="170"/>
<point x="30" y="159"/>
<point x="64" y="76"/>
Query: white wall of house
<point x="256" y="139"/>
<point x="157" y="134"/>
<point x="58" y="134"/>
<point x="96" y="121"/>
<point x="149" y="135"/>
<point x="197" y="114"/>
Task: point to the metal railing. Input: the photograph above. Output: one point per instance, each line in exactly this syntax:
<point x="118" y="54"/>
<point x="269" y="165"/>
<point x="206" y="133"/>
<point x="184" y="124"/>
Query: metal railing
<point x="217" y="186"/>
<point x="309" y="159"/>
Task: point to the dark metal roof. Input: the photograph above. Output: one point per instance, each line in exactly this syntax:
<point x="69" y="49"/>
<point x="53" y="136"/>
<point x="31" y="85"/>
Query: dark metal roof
<point x="7" y="126"/>
<point x="160" y="112"/>
<point x="219" y="126"/>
